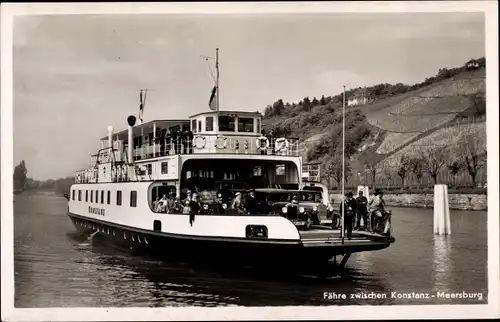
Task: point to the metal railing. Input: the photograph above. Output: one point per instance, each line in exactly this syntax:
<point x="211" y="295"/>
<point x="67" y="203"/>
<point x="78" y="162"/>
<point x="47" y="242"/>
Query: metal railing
<point x="218" y="144"/>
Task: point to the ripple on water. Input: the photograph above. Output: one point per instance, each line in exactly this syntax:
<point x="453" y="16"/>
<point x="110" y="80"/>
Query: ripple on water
<point x="56" y="268"/>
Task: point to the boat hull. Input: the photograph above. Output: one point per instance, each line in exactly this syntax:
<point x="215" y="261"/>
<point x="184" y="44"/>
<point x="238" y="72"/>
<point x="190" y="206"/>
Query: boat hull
<point x="312" y="250"/>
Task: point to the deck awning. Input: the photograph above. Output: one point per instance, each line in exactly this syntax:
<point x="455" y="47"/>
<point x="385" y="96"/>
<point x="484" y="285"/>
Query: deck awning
<point x="147" y="127"/>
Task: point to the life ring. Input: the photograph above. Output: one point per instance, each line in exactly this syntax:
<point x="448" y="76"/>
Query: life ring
<point x="281" y="144"/>
<point x="224" y="139"/>
<point x="195" y="145"/>
<point x="259" y="141"/>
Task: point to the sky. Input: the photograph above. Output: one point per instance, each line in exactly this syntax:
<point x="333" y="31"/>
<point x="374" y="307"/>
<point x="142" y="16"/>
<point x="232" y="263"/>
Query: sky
<point x="76" y="74"/>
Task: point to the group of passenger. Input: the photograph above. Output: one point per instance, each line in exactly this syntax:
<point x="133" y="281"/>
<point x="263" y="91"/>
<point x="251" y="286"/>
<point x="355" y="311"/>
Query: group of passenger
<point x="360" y="208"/>
<point x="176" y="138"/>
<point x="193" y="203"/>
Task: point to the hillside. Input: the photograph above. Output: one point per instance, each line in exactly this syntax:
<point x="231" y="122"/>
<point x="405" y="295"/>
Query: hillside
<point x="396" y="120"/>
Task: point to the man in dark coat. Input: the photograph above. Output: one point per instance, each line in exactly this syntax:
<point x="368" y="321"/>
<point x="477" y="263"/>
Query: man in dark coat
<point x="349" y="205"/>
<point x="251" y="205"/>
<point x="361" y="211"/>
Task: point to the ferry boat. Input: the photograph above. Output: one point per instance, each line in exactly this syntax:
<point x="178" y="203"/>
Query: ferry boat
<point x="115" y="196"/>
<point x="220" y="155"/>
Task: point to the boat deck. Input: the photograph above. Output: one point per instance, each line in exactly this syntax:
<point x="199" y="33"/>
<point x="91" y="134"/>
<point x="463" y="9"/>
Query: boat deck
<point x="332" y="237"/>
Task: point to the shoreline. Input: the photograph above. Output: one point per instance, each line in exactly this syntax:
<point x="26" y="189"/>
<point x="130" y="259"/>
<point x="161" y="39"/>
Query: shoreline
<point x="457" y="201"/>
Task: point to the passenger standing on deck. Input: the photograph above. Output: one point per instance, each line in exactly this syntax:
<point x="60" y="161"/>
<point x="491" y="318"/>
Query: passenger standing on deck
<point x="361" y="211"/>
<point x="162" y="205"/>
<point x="180" y="140"/>
<point x="349" y="205"/>
<point x="251" y="206"/>
<point x="236" y="204"/>
<point x="189" y="139"/>
<point x="174" y="138"/>
<point x="194" y="206"/>
<point x="155" y="204"/>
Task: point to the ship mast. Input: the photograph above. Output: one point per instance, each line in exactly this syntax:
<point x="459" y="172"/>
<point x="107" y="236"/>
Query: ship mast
<point x="217" y="76"/>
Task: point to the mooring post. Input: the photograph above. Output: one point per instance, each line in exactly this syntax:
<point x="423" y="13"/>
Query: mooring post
<point x="442" y="225"/>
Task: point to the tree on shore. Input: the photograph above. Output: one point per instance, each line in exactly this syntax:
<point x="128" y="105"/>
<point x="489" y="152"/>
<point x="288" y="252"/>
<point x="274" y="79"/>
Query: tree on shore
<point x="454" y="168"/>
<point x="471" y="148"/>
<point x="333" y="169"/>
<point x="371" y="166"/>
<point x="403" y="169"/>
<point x="20" y="176"/>
<point x="417" y="165"/>
<point x="435" y="159"/>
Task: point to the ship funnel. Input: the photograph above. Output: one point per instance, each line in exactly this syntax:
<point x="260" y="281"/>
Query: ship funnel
<point x="131" y="122"/>
<point x="110" y="136"/>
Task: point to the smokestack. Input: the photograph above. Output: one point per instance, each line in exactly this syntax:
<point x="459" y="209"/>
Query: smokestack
<point x="131" y="122"/>
<point x="110" y="136"/>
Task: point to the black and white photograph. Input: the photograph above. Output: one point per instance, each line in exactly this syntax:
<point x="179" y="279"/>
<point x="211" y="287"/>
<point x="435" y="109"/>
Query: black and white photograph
<point x="228" y="161"/>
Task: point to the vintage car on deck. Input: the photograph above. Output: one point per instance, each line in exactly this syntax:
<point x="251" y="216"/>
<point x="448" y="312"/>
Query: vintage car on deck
<point x="304" y="208"/>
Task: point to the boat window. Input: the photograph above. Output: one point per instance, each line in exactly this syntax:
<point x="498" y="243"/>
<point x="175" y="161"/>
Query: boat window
<point x="258" y="126"/>
<point x="149" y="169"/>
<point x="119" y="198"/>
<point x="91" y="195"/>
<point x="86" y="196"/>
<point x="199" y="126"/>
<point x="133" y="198"/>
<point x="164" y="167"/>
<point x="209" y="123"/>
<point x="102" y="196"/>
<point x="280" y="169"/>
<point x="109" y="197"/>
<point x="79" y="195"/>
<point x="226" y="123"/>
<point x="73" y="193"/>
<point x="193" y="126"/>
<point x="245" y="124"/>
<point x="97" y="196"/>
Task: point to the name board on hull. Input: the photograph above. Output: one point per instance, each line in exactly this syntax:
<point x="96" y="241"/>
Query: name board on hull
<point x="96" y="211"/>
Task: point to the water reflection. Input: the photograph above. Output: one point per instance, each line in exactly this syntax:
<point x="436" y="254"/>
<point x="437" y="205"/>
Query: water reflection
<point x="442" y="263"/>
<point x="57" y="269"/>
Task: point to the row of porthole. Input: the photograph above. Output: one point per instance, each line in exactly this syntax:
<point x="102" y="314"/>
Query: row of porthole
<point x="281" y="144"/>
<point x="111" y="231"/>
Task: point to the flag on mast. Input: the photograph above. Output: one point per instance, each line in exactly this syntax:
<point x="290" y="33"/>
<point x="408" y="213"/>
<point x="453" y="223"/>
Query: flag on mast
<point x="212" y="103"/>
<point x="141" y="107"/>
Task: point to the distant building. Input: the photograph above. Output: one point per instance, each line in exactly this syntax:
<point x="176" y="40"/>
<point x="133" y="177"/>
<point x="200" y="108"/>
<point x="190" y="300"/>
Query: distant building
<point x="472" y="64"/>
<point x="359" y="97"/>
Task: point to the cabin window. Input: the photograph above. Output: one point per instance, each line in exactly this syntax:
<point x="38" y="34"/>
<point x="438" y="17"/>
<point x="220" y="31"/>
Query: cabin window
<point x="91" y="195"/>
<point x="79" y="195"/>
<point x="280" y="169"/>
<point x="157" y="193"/>
<point x="97" y="196"/>
<point x="209" y="124"/>
<point x="199" y="126"/>
<point x="164" y="167"/>
<point x="226" y="123"/>
<point x="193" y="126"/>
<point x="257" y="171"/>
<point x="133" y="198"/>
<point x="149" y="169"/>
<point x="245" y="124"/>
<point x="119" y="198"/>
<point x="102" y="196"/>
<point x="73" y="194"/>
<point x="258" y="126"/>
<point x="86" y="195"/>
<point x="109" y="197"/>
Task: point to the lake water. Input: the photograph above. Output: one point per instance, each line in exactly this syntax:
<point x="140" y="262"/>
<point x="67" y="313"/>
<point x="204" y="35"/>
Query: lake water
<point x="54" y="267"/>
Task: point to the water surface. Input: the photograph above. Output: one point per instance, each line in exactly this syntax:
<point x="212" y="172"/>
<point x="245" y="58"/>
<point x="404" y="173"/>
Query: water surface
<point x="55" y="267"/>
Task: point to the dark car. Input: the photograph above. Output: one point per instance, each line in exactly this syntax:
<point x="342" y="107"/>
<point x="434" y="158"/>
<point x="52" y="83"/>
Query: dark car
<point x="303" y="208"/>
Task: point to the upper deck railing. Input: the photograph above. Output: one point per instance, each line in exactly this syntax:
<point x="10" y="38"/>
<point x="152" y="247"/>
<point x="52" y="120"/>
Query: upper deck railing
<point x="210" y="144"/>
